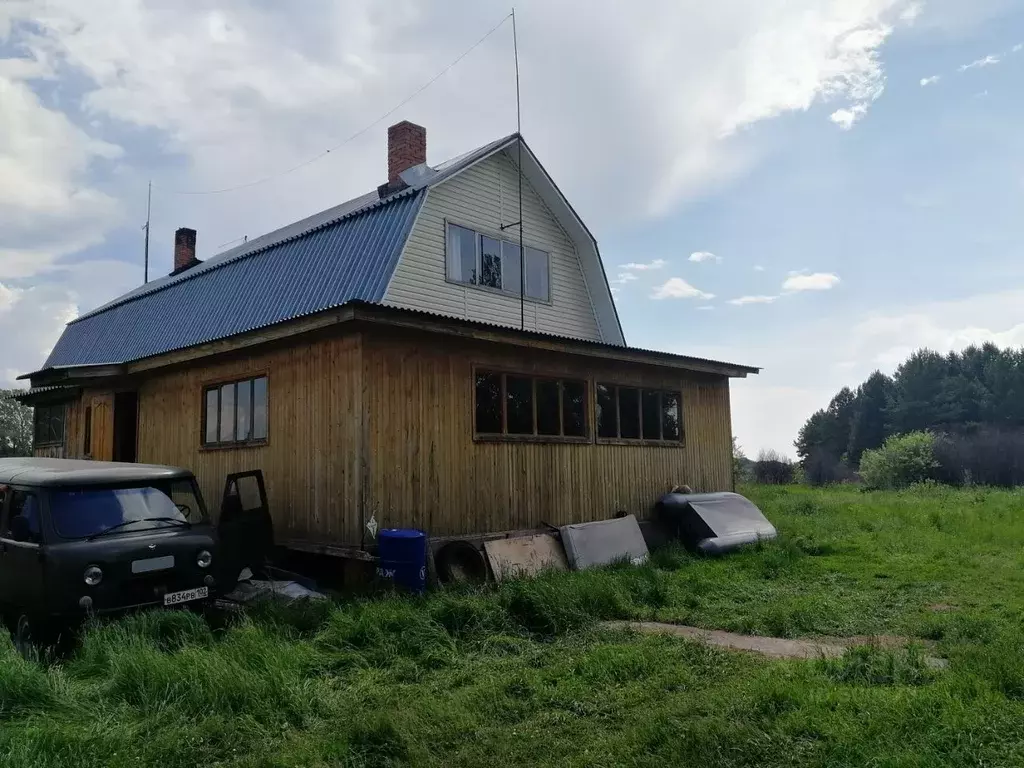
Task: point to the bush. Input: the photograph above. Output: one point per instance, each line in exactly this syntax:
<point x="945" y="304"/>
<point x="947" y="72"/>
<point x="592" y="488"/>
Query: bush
<point x="772" y="468"/>
<point x="902" y="461"/>
<point x="821" y="468"/>
<point x="987" y="457"/>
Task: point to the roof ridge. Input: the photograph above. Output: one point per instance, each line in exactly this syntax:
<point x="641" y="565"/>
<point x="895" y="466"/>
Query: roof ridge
<point x="211" y="267"/>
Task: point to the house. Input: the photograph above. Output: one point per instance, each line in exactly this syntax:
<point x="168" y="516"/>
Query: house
<point x="380" y="363"/>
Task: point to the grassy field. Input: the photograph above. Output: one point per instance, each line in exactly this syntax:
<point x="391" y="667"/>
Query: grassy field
<point x="520" y="675"/>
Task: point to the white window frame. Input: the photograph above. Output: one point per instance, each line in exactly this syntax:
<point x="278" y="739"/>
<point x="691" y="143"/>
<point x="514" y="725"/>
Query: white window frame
<point x="477" y="235"/>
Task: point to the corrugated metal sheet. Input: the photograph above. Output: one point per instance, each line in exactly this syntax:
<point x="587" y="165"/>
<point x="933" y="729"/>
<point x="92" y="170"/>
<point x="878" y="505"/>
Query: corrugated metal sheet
<point x="348" y="259"/>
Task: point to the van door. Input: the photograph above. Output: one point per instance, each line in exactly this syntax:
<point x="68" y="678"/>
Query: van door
<point x="21" y="564"/>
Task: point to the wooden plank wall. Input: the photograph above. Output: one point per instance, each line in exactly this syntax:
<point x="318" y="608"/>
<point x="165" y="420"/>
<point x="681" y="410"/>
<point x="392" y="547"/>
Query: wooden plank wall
<point x="310" y="461"/>
<point x="424" y="469"/>
<point x="409" y="457"/>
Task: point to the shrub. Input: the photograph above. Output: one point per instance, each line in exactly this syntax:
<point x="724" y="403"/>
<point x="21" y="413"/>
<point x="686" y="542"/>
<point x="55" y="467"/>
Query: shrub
<point x="821" y="468"/>
<point x="902" y="461"/>
<point x="986" y="457"/>
<point x="772" y="468"/>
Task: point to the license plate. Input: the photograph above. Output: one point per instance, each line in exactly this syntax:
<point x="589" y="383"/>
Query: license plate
<point x="186" y="595"/>
<point x="153" y="564"/>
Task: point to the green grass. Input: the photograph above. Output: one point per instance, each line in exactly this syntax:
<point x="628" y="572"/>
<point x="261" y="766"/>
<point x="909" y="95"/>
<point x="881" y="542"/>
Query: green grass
<point x="521" y="675"/>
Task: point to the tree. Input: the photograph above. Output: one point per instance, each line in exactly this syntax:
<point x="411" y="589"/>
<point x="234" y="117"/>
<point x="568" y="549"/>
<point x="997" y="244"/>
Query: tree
<point x="827" y="433"/>
<point x="919" y="400"/>
<point x="15" y="425"/>
<point x="868" y="427"/>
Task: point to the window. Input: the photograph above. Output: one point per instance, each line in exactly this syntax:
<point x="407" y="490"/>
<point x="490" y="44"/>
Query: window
<point x="48" y="423"/>
<point x="87" y="431"/>
<point x="632" y="413"/>
<point x="477" y="259"/>
<point x="511" y="405"/>
<point x="235" y="413"/>
<point x="27" y="506"/>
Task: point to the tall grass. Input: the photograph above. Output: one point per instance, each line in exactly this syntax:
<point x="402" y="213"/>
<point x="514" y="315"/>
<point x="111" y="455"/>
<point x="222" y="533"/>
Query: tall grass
<point x="521" y="674"/>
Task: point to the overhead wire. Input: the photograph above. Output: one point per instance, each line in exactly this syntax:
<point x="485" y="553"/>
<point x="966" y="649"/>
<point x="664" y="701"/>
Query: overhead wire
<point x="354" y="136"/>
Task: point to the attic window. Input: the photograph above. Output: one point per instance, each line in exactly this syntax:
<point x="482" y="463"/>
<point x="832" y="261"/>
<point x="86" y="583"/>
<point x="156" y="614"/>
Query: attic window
<point x="489" y="262"/>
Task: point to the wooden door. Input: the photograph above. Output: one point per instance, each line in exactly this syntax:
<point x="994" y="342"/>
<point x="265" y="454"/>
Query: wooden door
<point x="102" y="437"/>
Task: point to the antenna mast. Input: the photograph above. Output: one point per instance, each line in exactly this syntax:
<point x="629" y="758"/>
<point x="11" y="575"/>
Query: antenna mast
<point x="519" y="162"/>
<point x="149" y="208"/>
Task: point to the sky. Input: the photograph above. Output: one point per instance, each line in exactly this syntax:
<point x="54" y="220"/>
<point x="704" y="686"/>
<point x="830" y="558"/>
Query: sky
<point x="815" y="187"/>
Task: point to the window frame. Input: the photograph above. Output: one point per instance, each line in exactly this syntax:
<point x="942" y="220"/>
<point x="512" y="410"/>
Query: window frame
<point x="534" y="377"/>
<point x="662" y="391"/>
<point x="501" y="238"/>
<point x="36" y="442"/>
<point x="215" y="386"/>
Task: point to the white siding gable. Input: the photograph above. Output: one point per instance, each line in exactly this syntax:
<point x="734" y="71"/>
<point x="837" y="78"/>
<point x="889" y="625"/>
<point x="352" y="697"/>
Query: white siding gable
<point x="484" y="197"/>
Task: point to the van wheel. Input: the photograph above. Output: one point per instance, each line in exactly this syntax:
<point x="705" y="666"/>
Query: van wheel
<point x="22" y="635"/>
<point x="29" y="636"/>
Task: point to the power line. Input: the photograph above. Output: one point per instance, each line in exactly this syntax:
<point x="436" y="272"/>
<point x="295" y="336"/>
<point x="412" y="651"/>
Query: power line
<point x="354" y="136"/>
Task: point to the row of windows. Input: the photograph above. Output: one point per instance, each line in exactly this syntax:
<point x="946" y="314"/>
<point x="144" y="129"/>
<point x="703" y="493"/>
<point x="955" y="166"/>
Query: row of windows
<point x="235" y="412"/>
<point x="506" y="405"/>
<point x="511" y="405"/>
<point x="476" y="259"/>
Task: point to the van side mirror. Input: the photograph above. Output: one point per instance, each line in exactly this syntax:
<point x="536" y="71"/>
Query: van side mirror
<point x="20" y="528"/>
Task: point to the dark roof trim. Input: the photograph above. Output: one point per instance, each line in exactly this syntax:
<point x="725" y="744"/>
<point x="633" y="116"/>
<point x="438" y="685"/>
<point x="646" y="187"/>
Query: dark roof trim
<point x="439" y="323"/>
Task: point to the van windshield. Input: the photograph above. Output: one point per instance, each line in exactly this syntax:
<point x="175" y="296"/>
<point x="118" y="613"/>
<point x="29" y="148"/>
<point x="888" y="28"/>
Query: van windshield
<point x="85" y="512"/>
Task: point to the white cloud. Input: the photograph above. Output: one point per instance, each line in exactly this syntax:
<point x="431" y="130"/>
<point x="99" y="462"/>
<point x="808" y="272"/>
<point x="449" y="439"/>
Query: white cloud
<point x="925" y="81"/>
<point x="241" y="91"/>
<point x="699" y="256"/>
<point x="656" y="264"/>
<point x="706" y="308"/>
<point x="846" y="118"/>
<point x="986" y="61"/>
<point x="742" y="300"/>
<point x="911" y="12"/>
<point x="1018" y="48"/>
<point x="758" y="268"/>
<point x="622" y="278"/>
<point x="677" y="288"/>
<point x="819" y="281"/>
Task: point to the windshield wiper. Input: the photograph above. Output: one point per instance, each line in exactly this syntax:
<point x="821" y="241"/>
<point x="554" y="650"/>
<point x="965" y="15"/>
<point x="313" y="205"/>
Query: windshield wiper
<point x="105" y="531"/>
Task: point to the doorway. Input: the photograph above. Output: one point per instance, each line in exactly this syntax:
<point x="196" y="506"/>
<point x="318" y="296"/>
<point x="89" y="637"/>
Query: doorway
<point x="126" y="425"/>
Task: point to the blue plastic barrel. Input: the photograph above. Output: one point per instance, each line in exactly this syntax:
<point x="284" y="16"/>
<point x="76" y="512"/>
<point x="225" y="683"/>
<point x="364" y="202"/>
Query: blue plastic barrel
<point x="403" y="558"/>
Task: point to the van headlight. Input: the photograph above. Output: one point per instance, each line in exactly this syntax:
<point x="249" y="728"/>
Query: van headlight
<point x="93" y="575"/>
<point x="204" y="558"/>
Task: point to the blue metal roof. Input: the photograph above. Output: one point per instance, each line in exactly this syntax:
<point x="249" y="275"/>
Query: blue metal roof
<point x="345" y="259"/>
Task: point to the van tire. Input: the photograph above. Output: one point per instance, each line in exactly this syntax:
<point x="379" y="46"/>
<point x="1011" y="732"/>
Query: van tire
<point x="30" y="635"/>
<point x="460" y="562"/>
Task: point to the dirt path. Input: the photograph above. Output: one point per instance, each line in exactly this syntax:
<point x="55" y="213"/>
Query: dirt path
<point x="775" y="647"/>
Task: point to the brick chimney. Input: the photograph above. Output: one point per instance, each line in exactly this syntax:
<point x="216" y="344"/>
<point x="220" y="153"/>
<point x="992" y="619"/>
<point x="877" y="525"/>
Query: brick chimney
<point x="407" y="147"/>
<point x="184" y="249"/>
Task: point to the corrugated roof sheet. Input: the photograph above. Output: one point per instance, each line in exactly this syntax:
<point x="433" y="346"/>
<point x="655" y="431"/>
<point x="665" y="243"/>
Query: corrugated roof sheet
<point x="327" y="262"/>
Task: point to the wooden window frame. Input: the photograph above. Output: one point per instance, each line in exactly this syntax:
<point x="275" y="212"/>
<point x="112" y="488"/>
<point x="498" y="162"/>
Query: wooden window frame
<point x="501" y="238"/>
<point x="36" y="443"/>
<point x="216" y="385"/>
<point x="505" y="437"/>
<point x="660" y="442"/>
